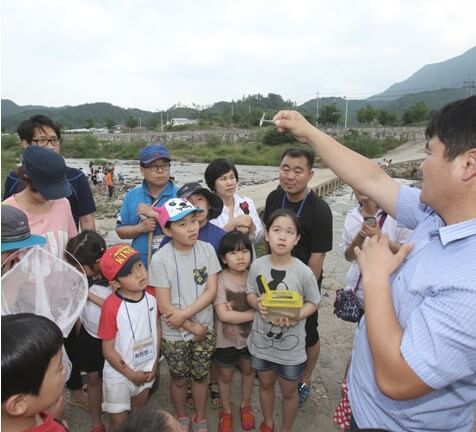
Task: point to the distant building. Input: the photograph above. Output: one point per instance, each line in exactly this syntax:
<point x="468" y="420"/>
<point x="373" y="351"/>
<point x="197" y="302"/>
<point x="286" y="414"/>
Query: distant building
<point x="182" y="122"/>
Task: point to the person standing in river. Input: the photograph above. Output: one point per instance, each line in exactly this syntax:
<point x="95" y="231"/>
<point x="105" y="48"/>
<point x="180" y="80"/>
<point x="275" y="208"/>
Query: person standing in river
<point x="41" y="131"/>
<point x="315" y="220"/>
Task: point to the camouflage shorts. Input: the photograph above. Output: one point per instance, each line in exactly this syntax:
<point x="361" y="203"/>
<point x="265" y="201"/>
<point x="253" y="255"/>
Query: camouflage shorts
<point x="189" y="359"/>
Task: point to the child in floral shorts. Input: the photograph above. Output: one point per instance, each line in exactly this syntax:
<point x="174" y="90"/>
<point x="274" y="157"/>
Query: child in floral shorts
<point x="184" y="274"/>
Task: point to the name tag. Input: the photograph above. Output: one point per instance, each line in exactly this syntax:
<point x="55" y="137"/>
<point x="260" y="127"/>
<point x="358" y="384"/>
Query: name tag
<point x="186" y="336"/>
<point x="143" y="351"/>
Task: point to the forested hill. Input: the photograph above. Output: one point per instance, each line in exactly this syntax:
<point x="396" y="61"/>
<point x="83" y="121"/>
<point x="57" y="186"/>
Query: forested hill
<point x="449" y="74"/>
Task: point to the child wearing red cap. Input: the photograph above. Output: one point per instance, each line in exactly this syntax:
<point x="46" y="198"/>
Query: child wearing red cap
<point x="130" y="333"/>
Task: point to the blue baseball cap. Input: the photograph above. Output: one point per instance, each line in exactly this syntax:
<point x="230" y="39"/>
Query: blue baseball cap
<point x="47" y="171"/>
<point x="16" y="231"/>
<point x="152" y="153"/>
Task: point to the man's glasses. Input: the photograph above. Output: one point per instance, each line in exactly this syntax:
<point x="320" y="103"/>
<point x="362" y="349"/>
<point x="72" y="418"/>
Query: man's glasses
<point x="43" y="141"/>
<point x="159" y="167"/>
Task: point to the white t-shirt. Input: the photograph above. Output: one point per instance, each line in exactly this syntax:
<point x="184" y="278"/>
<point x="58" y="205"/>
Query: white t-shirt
<point x="243" y="205"/>
<point x="92" y="312"/>
<point x="129" y="323"/>
<point x="352" y="225"/>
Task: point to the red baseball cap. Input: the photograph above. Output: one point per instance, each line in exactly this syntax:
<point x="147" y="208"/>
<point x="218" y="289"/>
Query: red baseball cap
<point x="117" y="261"/>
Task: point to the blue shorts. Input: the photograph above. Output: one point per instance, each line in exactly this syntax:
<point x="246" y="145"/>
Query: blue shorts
<point x="287" y="372"/>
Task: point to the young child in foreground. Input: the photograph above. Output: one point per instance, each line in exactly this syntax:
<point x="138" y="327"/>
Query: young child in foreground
<point x="184" y="275"/>
<point x="149" y="419"/>
<point x="233" y="325"/>
<point x="130" y="333"/>
<point x="33" y="374"/>
<point x="87" y="249"/>
<point x="278" y="348"/>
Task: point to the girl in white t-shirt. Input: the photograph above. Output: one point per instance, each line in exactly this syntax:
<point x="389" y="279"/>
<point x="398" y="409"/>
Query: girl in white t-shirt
<point x="233" y="324"/>
<point x="84" y="251"/>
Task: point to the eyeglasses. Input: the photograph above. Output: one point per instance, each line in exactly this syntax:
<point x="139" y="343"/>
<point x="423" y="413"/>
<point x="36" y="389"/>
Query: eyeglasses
<point x="43" y="141"/>
<point x="159" y="167"/>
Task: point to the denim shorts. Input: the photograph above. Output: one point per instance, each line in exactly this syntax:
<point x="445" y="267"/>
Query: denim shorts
<point x="287" y="372"/>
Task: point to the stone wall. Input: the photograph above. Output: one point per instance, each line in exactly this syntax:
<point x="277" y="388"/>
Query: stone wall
<point x="235" y="135"/>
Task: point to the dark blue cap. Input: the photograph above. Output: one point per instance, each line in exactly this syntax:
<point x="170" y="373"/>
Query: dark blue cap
<point x="152" y="153"/>
<point x="47" y="171"/>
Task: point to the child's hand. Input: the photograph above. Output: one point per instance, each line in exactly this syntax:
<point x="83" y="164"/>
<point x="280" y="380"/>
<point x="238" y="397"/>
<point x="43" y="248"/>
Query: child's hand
<point x="199" y="332"/>
<point x="175" y="319"/>
<point x="137" y="377"/>
<point x="150" y="376"/>
<point x="228" y="307"/>
<point x="263" y="311"/>
<point x="285" y="322"/>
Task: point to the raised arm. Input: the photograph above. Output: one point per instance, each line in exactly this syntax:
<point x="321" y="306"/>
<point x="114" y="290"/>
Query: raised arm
<point x="353" y="168"/>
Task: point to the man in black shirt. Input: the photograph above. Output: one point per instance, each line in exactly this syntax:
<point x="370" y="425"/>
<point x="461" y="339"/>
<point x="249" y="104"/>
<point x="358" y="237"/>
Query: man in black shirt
<point x="315" y="218"/>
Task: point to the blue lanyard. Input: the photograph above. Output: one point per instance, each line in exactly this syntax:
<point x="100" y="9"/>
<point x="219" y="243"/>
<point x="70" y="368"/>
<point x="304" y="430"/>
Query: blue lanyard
<point x="298" y="213"/>
<point x="129" y="317"/>
<point x="178" y="277"/>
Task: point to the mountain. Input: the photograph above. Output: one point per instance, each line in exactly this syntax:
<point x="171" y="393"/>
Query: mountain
<point x="70" y="116"/>
<point x="448" y="74"/>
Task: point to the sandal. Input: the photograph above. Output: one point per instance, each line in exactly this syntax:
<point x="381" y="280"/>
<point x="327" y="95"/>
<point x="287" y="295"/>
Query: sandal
<point x="200" y="426"/>
<point x="304" y="391"/>
<point x="214" y="400"/>
<point x="184" y="423"/>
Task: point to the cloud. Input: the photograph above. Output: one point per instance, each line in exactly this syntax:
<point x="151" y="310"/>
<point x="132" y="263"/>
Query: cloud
<point x="153" y="53"/>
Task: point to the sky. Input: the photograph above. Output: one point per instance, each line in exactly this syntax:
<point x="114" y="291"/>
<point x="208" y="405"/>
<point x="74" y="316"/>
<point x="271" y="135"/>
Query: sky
<point x="151" y="54"/>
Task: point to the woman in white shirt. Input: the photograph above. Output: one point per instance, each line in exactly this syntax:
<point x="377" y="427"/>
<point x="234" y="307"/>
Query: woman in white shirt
<point x="239" y="213"/>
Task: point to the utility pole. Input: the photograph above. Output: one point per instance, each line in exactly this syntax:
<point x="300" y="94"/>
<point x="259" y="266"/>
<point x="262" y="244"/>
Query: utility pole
<point x="161" y="122"/>
<point x="317" y="109"/>
<point x="470" y="86"/>
<point x="346" y="111"/>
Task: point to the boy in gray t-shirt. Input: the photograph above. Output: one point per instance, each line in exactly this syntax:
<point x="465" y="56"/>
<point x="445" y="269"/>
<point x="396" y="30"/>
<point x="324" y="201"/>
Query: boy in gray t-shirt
<point x="184" y="274"/>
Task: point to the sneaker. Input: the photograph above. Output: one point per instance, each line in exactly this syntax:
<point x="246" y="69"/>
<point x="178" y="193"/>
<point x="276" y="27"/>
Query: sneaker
<point x="214" y="401"/>
<point x="225" y="422"/>
<point x="265" y="428"/>
<point x="200" y="426"/>
<point x="247" y="418"/>
<point x="184" y="423"/>
<point x="304" y="390"/>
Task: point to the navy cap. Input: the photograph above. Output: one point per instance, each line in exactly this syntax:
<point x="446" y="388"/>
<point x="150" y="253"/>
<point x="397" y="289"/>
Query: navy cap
<point x="47" y="171"/>
<point x="153" y="152"/>
<point x="214" y="201"/>
<point x="16" y="231"/>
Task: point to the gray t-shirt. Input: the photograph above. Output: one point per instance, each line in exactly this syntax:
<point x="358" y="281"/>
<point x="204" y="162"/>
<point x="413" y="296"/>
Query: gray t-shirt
<point x="186" y="275"/>
<point x="282" y="345"/>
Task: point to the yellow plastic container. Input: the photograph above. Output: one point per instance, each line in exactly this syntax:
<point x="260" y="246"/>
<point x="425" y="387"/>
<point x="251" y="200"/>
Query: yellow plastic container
<point x="281" y="303"/>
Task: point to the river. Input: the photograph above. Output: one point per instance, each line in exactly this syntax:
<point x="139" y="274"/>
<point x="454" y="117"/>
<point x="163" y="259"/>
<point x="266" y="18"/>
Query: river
<point x="185" y="172"/>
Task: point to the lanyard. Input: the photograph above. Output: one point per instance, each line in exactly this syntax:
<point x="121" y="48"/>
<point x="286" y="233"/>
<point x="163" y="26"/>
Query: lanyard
<point x="129" y="317"/>
<point x="301" y="206"/>
<point x="178" y="277"/>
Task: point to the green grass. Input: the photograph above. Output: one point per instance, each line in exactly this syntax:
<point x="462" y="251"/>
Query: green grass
<point x="245" y="152"/>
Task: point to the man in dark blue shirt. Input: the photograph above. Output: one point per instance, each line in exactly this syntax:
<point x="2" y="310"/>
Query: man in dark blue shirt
<point x="42" y="131"/>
